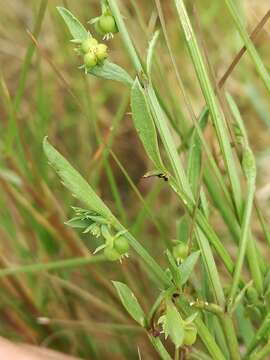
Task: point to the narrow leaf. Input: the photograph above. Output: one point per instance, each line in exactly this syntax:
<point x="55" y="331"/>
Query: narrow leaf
<point x="74" y="181"/>
<point x="144" y="124"/>
<point x="130" y="302"/>
<point x="187" y="266"/>
<point x="150" y="52"/>
<point x="76" y="29"/>
<point x="111" y="71"/>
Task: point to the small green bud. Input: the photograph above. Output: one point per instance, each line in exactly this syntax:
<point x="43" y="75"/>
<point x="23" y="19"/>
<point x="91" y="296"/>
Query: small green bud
<point x="111" y="254"/>
<point x="121" y="245"/>
<point x="107" y="24"/>
<point x="252" y="295"/>
<point x="180" y="251"/>
<point x="90" y="60"/>
<point x="89" y="44"/>
<point x="98" y="28"/>
<point x="190" y="335"/>
<point x="101" y="52"/>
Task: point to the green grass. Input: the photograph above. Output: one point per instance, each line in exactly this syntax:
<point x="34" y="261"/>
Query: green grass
<point x="159" y="107"/>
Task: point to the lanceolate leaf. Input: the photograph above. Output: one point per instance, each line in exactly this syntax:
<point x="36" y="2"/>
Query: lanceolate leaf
<point x="74" y="181"/>
<point x="111" y="71"/>
<point x="76" y="29"/>
<point x="174" y="324"/>
<point x="187" y="266"/>
<point x="144" y="124"/>
<point x="130" y="302"/>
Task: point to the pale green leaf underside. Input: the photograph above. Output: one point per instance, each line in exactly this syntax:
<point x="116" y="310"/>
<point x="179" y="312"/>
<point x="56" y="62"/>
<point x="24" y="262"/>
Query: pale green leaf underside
<point x="76" y="29"/>
<point x="150" y="52"/>
<point x="144" y="124"/>
<point x="130" y="302"/>
<point x="174" y="324"/>
<point x="111" y="71"/>
<point x="74" y="181"/>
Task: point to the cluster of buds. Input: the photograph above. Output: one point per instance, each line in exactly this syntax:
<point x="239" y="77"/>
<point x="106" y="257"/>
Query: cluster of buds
<point x="94" y="52"/>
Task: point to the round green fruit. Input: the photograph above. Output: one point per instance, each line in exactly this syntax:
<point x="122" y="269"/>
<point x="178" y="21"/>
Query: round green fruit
<point x="190" y="335"/>
<point x="121" y="245"/>
<point x="90" y="60"/>
<point x="89" y="44"/>
<point x="101" y="52"/>
<point x="111" y="254"/>
<point x="98" y="29"/>
<point x="180" y="251"/>
<point x="252" y="295"/>
<point x="107" y="24"/>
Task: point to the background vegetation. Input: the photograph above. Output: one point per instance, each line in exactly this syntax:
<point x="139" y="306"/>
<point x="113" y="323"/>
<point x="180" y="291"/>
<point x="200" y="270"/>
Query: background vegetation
<point x="42" y="92"/>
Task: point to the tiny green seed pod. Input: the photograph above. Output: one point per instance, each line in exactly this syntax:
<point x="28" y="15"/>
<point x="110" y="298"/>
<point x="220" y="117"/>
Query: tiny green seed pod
<point x="252" y="295"/>
<point x="98" y="28"/>
<point x="190" y="335"/>
<point x="101" y="52"/>
<point x="111" y="254"/>
<point x="88" y="44"/>
<point x="107" y="24"/>
<point x="121" y="245"/>
<point x="180" y="251"/>
<point x="90" y="60"/>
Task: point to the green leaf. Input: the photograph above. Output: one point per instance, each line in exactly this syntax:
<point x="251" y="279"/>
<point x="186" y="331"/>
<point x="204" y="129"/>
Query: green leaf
<point x="130" y="302"/>
<point x="76" y="29"/>
<point x="173" y="268"/>
<point x="78" y="223"/>
<point x="187" y="266"/>
<point x="150" y="52"/>
<point x="144" y="124"/>
<point x="74" y="181"/>
<point x="111" y="71"/>
<point x="174" y="325"/>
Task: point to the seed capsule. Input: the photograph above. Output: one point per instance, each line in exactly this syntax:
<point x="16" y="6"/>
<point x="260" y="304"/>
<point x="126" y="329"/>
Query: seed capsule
<point x="89" y="44"/>
<point x="107" y="24"/>
<point x="190" y="335"/>
<point x="121" y="245"/>
<point x="102" y="52"/>
<point x="111" y="254"/>
<point x="180" y="251"/>
<point x="90" y="60"/>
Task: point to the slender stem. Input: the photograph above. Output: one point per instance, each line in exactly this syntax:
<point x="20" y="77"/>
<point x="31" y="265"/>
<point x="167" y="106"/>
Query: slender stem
<point x="55" y="265"/>
<point x="243" y="242"/>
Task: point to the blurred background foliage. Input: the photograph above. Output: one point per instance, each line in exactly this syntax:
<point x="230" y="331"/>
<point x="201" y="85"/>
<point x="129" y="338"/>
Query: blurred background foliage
<point x="42" y="92"/>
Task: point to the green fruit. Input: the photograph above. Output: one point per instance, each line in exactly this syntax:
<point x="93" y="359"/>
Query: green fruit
<point x="107" y="24"/>
<point x="252" y="295"/>
<point x="190" y="335"/>
<point x="98" y="29"/>
<point x="111" y="254"/>
<point x="121" y="245"/>
<point x="180" y="251"/>
<point x="102" y="52"/>
<point x="88" y="44"/>
<point x="90" y="60"/>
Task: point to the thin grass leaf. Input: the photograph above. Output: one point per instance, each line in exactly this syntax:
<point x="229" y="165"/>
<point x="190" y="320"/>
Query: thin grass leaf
<point x="144" y="124"/>
<point x="74" y="182"/>
<point x="76" y="29"/>
<point x="261" y="69"/>
<point x="209" y="94"/>
<point x="111" y="71"/>
<point x="150" y="53"/>
<point x="130" y="302"/>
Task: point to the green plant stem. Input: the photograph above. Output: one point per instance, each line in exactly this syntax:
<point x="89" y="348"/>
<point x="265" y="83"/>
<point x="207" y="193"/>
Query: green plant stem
<point x="156" y="342"/>
<point x="259" y="335"/>
<point x="265" y="350"/>
<point x="264" y="75"/>
<point x="55" y="265"/>
<point x="209" y="94"/>
<point x="243" y="241"/>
